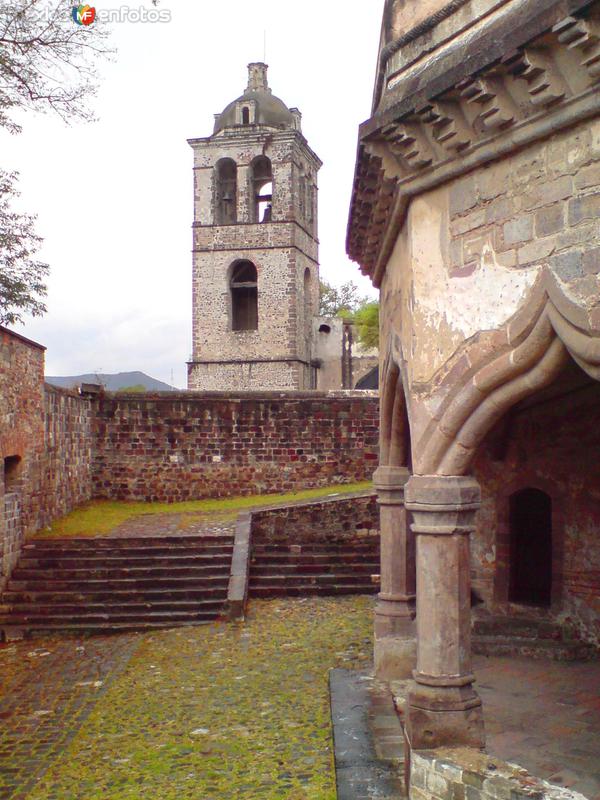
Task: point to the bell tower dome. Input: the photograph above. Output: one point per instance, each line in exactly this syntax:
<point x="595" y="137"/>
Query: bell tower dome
<point x="255" y="247"/>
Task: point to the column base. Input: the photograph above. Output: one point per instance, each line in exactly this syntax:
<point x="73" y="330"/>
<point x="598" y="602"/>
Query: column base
<point x="395" y="639"/>
<point x="445" y="716"/>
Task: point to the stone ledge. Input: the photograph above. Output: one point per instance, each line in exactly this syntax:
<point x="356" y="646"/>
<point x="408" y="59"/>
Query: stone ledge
<point x="459" y="773"/>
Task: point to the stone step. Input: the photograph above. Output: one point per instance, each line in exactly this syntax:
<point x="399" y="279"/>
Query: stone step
<point x="87" y="607"/>
<point x="266" y="591"/>
<point x="35" y="620"/>
<point x="534" y="648"/>
<point x="109" y="561"/>
<point x="521" y="627"/>
<point x="317" y="547"/>
<point x="315" y="558"/>
<point x="114" y="573"/>
<point x="133" y="542"/>
<point x="218" y="591"/>
<point x="364" y="568"/>
<point x="151" y="549"/>
<point x="106" y="628"/>
<point x="105" y="584"/>
<point x="322" y="579"/>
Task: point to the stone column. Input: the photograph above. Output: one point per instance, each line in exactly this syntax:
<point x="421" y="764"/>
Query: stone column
<point x="395" y="642"/>
<point x="444" y="708"/>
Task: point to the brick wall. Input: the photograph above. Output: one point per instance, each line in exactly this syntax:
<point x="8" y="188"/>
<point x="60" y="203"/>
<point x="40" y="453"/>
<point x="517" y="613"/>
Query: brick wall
<point x="332" y="519"/>
<point x="183" y="446"/>
<point x="551" y="443"/>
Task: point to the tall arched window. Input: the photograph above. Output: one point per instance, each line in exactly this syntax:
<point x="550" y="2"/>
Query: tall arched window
<point x="226" y="192"/>
<point x="245" y="115"/>
<point x="262" y="189"/>
<point x="530" y="514"/>
<point x="244" y="296"/>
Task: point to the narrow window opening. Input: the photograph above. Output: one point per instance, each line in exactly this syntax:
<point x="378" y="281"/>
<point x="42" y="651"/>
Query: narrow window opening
<point x="12" y="473"/>
<point x="262" y="183"/>
<point x="226" y="194"/>
<point x="244" y="297"/>
<point x="530" y="514"/>
<point x="245" y="115"/>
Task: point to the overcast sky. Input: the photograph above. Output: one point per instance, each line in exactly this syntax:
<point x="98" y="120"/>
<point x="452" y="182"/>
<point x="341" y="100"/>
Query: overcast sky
<point x="114" y="197"/>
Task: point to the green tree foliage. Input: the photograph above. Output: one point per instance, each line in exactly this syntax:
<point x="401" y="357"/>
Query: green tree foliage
<point x="345" y="301"/>
<point x="367" y="322"/>
<point x="47" y="63"/>
<point x="339" y="301"/>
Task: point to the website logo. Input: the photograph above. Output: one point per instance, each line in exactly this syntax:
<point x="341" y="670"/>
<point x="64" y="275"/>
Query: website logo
<point x="83" y="15"/>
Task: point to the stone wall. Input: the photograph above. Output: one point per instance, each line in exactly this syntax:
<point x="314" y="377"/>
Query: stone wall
<point x="450" y="774"/>
<point x="69" y="452"/>
<point x="46" y="446"/>
<point x="184" y="446"/>
<point x="332" y="519"/>
<point x="21" y="441"/>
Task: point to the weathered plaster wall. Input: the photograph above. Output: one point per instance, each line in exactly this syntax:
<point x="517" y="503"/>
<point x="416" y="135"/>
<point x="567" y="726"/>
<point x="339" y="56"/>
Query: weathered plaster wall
<point x="552" y="444"/>
<point x="471" y="249"/>
<point x="178" y="447"/>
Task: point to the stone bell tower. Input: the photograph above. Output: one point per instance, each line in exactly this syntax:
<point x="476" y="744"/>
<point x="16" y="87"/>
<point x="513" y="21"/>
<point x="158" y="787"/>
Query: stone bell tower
<point x="255" y="251"/>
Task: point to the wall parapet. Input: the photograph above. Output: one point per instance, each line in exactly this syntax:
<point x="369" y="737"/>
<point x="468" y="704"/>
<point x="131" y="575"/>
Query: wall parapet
<point x="445" y="774"/>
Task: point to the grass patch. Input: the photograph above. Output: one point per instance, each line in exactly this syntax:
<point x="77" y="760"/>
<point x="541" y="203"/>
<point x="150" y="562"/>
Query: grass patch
<point x="99" y="517"/>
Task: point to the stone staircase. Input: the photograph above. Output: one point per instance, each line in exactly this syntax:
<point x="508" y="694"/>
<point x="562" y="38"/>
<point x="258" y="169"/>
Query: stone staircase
<point x="530" y="637"/>
<point x="116" y="584"/>
<point x="281" y="569"/>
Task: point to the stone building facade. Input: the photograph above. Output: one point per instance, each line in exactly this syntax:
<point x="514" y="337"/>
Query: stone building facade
<point x="475" y="211"/>
<point x="255" y="247"/>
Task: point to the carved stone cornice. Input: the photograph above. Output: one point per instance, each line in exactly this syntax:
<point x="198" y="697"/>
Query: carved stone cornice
<point x="534" y="87"/>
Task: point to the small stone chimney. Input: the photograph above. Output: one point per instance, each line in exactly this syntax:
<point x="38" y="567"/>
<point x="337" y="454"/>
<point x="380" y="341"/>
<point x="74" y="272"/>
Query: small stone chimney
<point x="257" y="77"/>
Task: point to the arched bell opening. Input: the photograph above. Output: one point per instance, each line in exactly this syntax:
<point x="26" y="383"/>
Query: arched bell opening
<point x="262" y="189"/>
<point x="225" y="192"/>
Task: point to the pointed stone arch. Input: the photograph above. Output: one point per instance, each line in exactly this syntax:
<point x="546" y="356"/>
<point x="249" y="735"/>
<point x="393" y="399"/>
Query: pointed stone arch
<point x="540" y="339"/>
<point x="395" y="447"/>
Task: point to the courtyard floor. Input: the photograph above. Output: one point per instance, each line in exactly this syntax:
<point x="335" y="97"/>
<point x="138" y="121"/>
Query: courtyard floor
<point x="215" y="711"/>
<point x="242" y="711"/>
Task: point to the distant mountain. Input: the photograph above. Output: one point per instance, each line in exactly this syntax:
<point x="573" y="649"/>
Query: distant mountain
<point x="112" y="383"/>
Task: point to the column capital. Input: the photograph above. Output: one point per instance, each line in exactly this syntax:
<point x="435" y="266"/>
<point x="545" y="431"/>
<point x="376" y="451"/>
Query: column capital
<point x="389" y="483"/>
<point x="442" y="493"/>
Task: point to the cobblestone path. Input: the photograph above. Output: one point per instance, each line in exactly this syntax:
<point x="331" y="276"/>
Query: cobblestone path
<point x="47" y="689"/>
<point x="215" y="711"/>
<point x="188" y="524"/>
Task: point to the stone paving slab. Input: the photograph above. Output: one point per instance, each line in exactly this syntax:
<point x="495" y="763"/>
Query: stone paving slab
<point x="364" y="724"/>
<point x="544" y="716"/>
<point x="48" y="687"/>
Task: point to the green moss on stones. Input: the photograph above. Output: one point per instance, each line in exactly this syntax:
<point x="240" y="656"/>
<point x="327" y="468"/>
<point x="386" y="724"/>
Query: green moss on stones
<point x="221" y="711"/>
<point x="99" y="517"/>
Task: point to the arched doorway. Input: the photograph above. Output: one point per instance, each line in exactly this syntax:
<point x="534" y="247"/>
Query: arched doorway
<point x="530" y="571"/>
